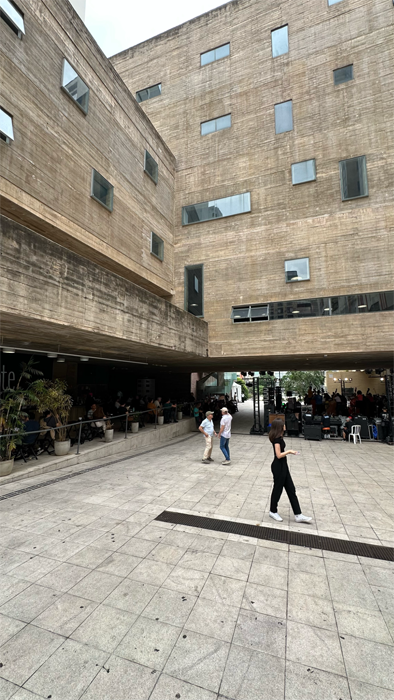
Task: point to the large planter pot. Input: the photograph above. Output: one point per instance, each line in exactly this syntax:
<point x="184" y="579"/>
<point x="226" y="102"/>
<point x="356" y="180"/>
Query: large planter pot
<point x="134" y="427"/>
<point x="6" y="467"/>
<point x="179" y="415"/>
<point x="62" y="447"/>
<point x="109" y="435"/>
<point x="160" y="420"/>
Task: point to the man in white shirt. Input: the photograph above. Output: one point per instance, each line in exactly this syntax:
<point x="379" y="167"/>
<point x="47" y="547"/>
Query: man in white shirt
<point x="225" y="434"/>
<point x="208" y="429"/>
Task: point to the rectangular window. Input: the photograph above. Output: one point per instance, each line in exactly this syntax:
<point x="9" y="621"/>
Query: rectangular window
<point x="157" y="246"/>
<point x="297" y="270"/>
<point x="280" y="41"/>
<point x="305" y="171"/>
<point x="343" y="75"/>
<point x="148" y="93"/>
<point x="74" y="86"/>
<point x="12" y="16"/>
<point x="6" y="126"/>
<point x="215" y="54"/>
<point x="333" y="2"/>
<point x="216" y="125"/>
<point x="151" y="167"/>
<point x="250" y="314"/>
<point x="194" y="283"/>
<point x="284" y="117"/>
<point x="216" y="209"/>
<point x="102" y="190"/>
<point x="353" y="174"/>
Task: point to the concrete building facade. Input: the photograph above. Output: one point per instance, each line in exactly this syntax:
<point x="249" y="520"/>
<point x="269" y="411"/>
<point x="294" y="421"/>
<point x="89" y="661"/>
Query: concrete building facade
<point x="123" y="181"/>
<point x="320" y="74"/>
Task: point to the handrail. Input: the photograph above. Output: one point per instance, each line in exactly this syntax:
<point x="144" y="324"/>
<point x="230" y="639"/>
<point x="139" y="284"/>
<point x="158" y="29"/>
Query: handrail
<point x="81" y="422"/>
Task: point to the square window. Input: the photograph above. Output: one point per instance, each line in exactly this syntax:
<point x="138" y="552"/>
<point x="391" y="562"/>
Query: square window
<point x="284" y="117"/>
<point x="74" y="86"/>
<point x="148" y="93"/>
<point x="297" y="270"/>
<point x="157" y="246"/>
<point x="241" y="314"/>
<point x="353" y="175"/>
<point x="102" y="190"/>
<point x="259" y="313"/>
<point x="151" y="167"/>
<point x="280" y="41"/>
<point x="343" y="75"/>
<point x="305" y="171"/>
<point x="6" y="126"/>
<point x="12" y="15"/>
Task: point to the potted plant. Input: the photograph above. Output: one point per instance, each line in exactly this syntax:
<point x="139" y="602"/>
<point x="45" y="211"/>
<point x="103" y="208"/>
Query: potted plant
<point x="160" y="417"/>
<point x="180" y="411"/>
<point x="52" y="395"/>
<point x="109" y="431"/>
<point x="135" y="423"/>
<point x="11" y="423"/>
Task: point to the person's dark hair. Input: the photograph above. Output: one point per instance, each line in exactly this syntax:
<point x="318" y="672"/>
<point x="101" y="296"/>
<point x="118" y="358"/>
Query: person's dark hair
<point x="276" y="431"/>
<point x="46" y="413"/>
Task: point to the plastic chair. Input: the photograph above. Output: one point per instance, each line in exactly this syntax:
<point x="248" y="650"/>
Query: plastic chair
<point x="355" y="433"/>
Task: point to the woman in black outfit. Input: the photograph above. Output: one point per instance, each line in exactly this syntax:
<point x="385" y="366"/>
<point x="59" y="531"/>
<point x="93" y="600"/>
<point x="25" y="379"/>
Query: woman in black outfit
<point x="281" y="474"/>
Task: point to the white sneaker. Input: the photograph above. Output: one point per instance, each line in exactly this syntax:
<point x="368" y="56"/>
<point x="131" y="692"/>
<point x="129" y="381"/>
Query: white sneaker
<point x="302" y="518"/>
<point x="276" y="516"/>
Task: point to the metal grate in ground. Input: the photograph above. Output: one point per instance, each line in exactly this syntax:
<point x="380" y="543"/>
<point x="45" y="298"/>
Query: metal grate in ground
<point x="300" y="539"/>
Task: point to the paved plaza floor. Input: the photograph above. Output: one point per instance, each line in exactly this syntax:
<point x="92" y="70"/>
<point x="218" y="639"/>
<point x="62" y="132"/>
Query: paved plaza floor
<point x="99" y="601"/>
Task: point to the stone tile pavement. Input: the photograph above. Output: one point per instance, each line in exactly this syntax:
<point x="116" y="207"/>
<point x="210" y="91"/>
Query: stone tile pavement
<point x="100" y="602"/>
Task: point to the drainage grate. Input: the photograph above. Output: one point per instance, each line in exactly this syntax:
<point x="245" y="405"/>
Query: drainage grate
<point x="330" y="544"/>
<point x="41" y="485"/>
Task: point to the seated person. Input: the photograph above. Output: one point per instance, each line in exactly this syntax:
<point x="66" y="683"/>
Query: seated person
<point x="151" y="405"/>
<point x="347" y="428"/>
<point x="99" y="413"/>
<point x="29" y="424"/>
<point x="49" y="419"/>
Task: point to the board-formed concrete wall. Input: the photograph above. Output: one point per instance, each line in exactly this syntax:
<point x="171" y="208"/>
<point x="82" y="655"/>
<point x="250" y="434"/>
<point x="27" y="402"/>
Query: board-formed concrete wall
<point x="46" y="171"/>
<point x="349" y="244"/>
<point x="53" y="298"/>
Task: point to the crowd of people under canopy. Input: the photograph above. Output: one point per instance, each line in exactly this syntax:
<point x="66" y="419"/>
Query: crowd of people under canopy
<point x="336" y="404"/>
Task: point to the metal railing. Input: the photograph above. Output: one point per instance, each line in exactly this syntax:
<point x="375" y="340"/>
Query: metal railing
<point x="80" y="423"/>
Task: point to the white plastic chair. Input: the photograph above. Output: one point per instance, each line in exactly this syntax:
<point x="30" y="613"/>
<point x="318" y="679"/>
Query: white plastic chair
<point x="355" y="433"/>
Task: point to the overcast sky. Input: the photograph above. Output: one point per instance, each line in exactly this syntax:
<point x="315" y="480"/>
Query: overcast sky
<point x="118" y="24"/>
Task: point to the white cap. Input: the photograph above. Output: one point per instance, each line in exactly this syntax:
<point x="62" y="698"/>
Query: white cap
<point x="224" y="410"/>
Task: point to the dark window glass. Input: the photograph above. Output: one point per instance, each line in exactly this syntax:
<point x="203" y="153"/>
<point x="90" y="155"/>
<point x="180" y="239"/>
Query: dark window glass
<point x="102" y="190"/>
<point x="12" y="15"/>
<point x="280" y="41"/>
<point x="157" y="246"/>
<point x="151" y="167"/>
<point x="148" y="93"/>
<point x="284" y="117"/>
<point x="74" y="86"/>
<point x="353" y="174"/>
<point x="324" y="306"/>
<point x="343" y="75"/>
<point x="216" y="209"/>
<point x="215" y="54"/>
<point x="194" y="292"/>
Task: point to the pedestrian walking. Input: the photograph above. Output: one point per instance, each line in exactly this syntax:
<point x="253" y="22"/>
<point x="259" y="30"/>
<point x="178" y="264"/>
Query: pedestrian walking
<point x="208" y="429"/>
<point x="281" y="474"/>
<point x="225" y="434"/>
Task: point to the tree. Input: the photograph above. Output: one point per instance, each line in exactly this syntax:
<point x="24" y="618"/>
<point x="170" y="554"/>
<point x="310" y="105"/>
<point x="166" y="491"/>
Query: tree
<point x="244" y="387"/>
<point x="299" y="382"/>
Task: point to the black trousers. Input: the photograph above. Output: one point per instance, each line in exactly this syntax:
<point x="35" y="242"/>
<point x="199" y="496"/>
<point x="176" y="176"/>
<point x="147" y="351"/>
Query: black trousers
<point x="283" y="480"/>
